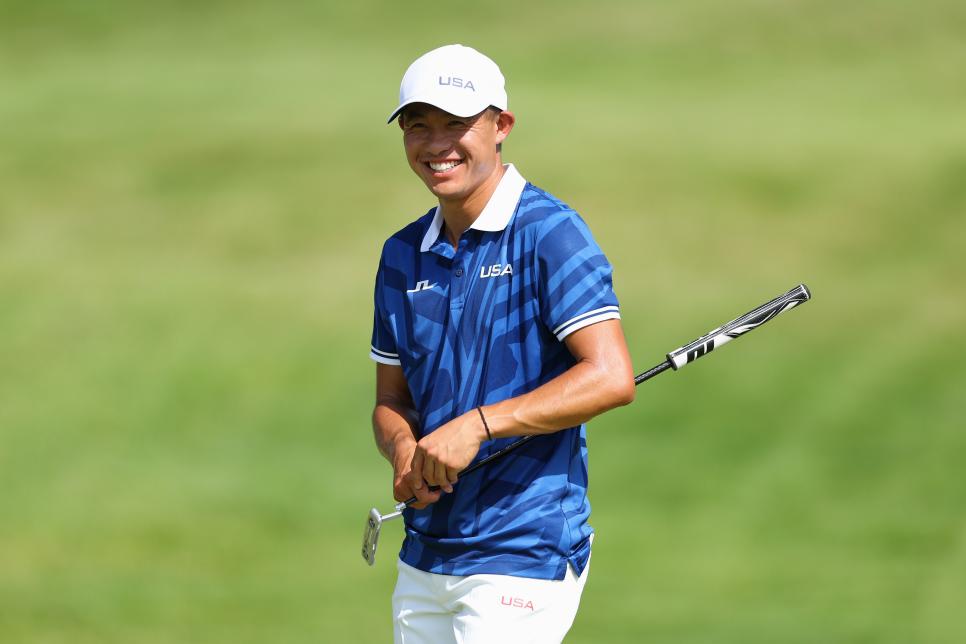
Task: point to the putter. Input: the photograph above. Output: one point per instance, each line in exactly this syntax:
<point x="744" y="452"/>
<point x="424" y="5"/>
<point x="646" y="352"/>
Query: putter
<point x="674" y="360"/>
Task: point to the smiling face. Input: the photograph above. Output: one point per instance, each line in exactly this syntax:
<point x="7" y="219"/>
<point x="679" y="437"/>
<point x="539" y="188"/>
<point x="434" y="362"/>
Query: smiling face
<point x="454" y="156"/>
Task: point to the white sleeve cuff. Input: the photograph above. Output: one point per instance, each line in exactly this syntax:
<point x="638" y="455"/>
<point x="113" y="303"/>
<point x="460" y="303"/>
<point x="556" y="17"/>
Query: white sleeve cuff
<point x="586" y="319"/>
<point x="384" y="357"/>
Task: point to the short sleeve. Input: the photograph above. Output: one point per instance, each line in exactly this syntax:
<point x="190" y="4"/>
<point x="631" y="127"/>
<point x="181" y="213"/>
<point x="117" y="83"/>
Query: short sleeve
<point x="574" y="276"/>
<point x="383" y="348"/>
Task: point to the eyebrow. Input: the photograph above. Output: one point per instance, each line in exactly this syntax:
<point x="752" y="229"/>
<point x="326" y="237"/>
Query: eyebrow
<point x="417" y="113"/>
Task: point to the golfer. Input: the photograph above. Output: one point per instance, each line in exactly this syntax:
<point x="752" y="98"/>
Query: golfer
<point x="495" y="317"/>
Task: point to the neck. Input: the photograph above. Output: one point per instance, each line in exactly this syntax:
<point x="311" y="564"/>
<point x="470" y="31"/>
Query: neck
<point x="459" y="214"/>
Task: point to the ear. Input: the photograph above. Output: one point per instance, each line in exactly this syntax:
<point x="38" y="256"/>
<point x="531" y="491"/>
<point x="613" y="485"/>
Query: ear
<point x="504" y="123"/>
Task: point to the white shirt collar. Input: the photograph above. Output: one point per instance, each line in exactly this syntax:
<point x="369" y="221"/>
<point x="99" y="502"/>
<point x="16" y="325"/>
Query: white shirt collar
<point x="497" y="213"/>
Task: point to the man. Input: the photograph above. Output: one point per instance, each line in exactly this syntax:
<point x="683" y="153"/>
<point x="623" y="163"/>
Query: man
<point x="494" y="318"/>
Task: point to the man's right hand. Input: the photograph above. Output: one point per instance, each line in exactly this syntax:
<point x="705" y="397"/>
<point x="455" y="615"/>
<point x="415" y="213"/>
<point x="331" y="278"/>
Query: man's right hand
<point x="402" y="489"/>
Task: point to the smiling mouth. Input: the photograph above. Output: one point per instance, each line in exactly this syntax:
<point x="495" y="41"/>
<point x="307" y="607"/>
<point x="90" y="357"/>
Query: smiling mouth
<point x="443" y="166"/>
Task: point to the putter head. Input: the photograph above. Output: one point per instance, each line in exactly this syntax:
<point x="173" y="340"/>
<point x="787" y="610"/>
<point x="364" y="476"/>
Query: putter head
<point x="370" y="537"/>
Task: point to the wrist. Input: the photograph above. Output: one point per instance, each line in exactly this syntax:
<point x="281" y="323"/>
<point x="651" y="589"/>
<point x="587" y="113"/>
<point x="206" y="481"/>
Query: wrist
<point x="485" y="432"/>
<point x="399" y="444"/>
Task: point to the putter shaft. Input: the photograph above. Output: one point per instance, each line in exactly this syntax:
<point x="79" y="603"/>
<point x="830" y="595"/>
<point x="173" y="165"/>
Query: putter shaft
<point x="396" y="511"/>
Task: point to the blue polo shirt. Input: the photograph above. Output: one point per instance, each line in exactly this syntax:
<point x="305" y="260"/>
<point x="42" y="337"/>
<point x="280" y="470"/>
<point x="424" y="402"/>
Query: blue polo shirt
<point x="479" y="324"/>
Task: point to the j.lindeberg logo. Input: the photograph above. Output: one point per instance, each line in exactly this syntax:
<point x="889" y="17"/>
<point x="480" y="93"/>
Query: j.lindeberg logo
<point x="457" y="82"/>
<point x="496" y="270"/>
<point x="423" y="285"/>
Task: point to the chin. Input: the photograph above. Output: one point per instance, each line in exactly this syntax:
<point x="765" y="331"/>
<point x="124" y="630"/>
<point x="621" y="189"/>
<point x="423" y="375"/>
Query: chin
<point x="444" y="189"/>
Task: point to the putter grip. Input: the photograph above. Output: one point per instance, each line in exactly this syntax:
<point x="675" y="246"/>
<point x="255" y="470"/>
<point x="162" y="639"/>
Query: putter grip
<point x="738" y="327"/>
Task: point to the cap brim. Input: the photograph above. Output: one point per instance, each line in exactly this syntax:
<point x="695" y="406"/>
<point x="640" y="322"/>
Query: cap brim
<point x="462" y="109"/>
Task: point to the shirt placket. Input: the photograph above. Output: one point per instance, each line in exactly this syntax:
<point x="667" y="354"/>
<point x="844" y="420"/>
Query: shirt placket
<point x="459" y="278"/>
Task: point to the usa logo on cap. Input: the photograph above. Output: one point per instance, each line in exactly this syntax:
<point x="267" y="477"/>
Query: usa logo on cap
<point x="433" y="76"/>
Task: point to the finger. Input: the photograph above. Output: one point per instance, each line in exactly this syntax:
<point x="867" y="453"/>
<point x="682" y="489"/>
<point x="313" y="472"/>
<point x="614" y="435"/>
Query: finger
<point x="452" y="475"/>
<point x="439" y="471"/>
<point x="429" y="471"/>
<point x="425" y="497"/>
<point x="442" y="474"/>
<point x="416" y="470"/>
<point x="416" y="505"/>
<point x="402" y="490"/>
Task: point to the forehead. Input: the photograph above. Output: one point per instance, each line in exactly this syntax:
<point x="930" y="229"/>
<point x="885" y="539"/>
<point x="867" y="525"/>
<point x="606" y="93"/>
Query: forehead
<point x="425" y="110"/>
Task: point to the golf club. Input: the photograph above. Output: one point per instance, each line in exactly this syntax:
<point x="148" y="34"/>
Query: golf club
<point x="674" y="360"/>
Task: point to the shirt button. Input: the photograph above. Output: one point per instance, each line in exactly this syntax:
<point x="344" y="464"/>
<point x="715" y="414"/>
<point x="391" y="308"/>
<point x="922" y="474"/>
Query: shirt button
<point x="459" y="272"/>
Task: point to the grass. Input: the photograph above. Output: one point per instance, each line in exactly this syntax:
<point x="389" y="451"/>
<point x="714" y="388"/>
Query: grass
<point x="192" y="202"/>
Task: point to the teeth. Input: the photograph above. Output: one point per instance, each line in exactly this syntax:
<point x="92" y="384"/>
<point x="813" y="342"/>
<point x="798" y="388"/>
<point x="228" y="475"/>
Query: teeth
<point x="443" y="167"/>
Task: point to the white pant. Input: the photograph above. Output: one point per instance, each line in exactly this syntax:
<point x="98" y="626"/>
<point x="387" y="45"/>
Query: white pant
<point x="483" y="609"/>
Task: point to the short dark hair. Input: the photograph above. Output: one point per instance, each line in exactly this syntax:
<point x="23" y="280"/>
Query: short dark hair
<point x="495" y="113"/>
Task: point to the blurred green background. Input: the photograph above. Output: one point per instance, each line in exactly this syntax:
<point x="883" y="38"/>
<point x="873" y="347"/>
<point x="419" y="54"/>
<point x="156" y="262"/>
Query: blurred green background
<point x="192" y="201"/>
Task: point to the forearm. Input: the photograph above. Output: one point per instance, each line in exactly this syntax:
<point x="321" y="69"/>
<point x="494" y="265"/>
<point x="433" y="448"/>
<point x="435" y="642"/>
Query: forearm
<point x="392" y="422"/>
<point x="602" y="378"/>
<point x="585" y="390"/>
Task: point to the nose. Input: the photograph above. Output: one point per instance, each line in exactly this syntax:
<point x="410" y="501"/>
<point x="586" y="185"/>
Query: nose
<point x="439" y="142"/>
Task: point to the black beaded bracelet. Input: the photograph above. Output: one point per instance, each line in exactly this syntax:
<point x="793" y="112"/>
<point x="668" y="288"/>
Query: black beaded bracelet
<point x="489" y="436"/>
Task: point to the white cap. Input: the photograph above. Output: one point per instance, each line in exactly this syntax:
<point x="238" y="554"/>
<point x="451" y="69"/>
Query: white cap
<point x="454" y="78"/>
